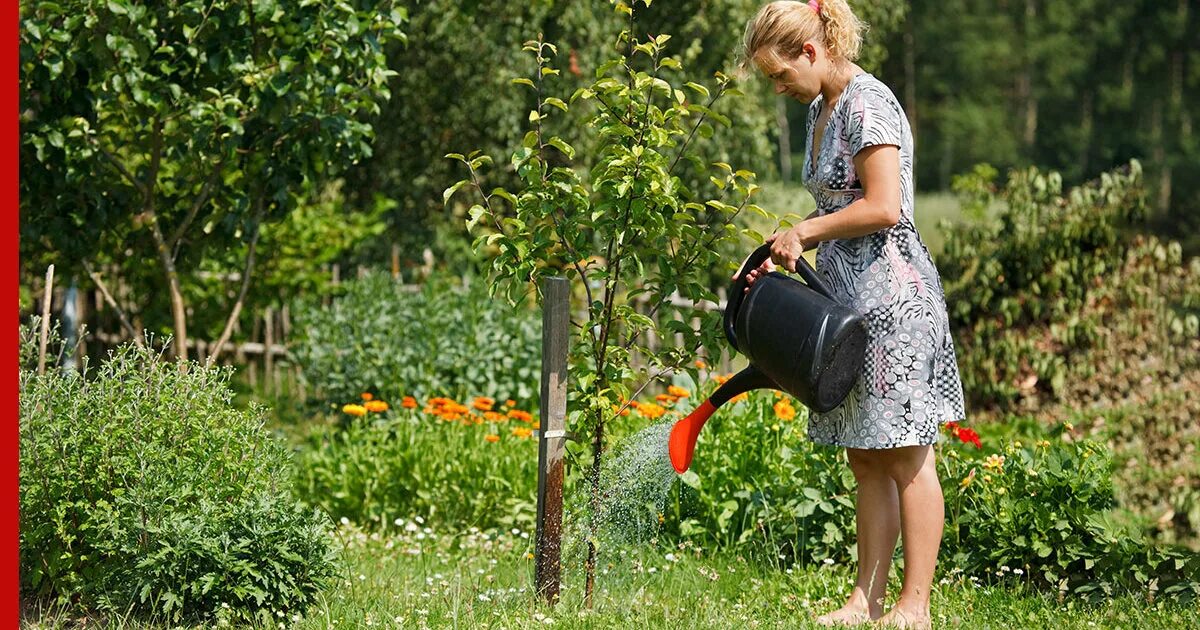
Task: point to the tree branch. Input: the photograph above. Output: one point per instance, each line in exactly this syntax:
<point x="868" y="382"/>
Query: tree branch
<point x="205" y="191"/>
<point x="108" y="299"/>
<point x="241" y="298"/>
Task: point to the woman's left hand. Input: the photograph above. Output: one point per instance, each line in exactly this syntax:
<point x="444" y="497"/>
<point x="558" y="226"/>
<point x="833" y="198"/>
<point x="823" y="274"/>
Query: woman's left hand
<point x="787" y="246"/>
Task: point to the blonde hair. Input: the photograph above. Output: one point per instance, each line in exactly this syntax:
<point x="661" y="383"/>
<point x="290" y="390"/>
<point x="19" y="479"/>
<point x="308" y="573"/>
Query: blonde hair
<point x="782" y="28"/>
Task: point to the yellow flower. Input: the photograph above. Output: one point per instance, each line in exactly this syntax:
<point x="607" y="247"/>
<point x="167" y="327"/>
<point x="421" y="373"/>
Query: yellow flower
<point x="968" y="479"/>
<point x="492" y="438"/>
<point x="1068" y="426"/>
<point x="376" y="406"/>
<point x="354" y="410"/>
<point x="784" y="409"/>
<point x="1001" y="490"/>
<point x="677" y="392"/>
<point x="994" y="462"/>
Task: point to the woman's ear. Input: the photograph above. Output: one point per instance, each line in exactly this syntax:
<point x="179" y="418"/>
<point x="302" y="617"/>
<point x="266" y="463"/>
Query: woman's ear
<point x="809" y="52"/>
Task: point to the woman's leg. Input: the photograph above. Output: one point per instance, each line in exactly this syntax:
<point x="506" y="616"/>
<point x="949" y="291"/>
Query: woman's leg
<point x="877" y="520"/>
<point x="922" y="518"/>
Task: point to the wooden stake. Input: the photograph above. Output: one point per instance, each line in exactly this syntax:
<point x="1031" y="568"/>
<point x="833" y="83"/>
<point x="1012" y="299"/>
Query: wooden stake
<point x="47" y="294"/>
<point x="552" y="436"/>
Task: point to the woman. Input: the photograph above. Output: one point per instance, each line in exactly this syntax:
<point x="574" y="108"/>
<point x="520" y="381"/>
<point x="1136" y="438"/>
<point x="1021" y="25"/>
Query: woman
<point x="858" y="167"/>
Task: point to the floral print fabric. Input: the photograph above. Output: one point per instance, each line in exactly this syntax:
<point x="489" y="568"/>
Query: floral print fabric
<point x="910" y="383"/>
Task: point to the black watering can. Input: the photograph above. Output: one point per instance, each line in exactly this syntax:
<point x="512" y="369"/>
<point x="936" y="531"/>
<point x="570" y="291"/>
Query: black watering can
<point x="798" y="338"/>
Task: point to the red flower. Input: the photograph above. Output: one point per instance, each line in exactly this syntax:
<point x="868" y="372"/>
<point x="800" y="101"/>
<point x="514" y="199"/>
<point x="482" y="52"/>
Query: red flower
<point x="969" y="435"/>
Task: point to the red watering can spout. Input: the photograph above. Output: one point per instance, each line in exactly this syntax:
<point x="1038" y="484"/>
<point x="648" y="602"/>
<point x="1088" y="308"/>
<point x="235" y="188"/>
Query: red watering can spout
<point x="684" y="434"/>
<point x="682" y="442"/>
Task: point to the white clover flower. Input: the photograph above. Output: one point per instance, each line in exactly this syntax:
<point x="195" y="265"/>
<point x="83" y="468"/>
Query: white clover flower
<point x="670" y="557"/>
<point x="484" y="598"/>
<point x="419" y="520"/>
<point x="828" y="561"/>
<point x="411" y="527"/>
<point x="345" y="521"/>
<point x="398" y="522"/>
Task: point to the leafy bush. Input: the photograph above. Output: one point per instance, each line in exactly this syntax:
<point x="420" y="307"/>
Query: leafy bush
<point x="143" y="488"/>
<point x="1044" y="510"/>
<point x="441" y="341"/>
<point x="409" y="462"/>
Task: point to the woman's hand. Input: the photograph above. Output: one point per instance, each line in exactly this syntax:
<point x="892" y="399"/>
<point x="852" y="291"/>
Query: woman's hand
<point x="787" y="246"/>
<point x="765" y="268"/>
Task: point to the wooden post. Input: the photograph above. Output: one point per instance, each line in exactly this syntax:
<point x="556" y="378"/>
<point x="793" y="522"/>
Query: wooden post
<point x="47" y="294"/>
<point x="268" y="358"/>
<point x="552" y="436"/>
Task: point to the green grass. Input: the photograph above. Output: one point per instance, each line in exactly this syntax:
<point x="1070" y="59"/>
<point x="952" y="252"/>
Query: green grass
<point x="432" y="579"/>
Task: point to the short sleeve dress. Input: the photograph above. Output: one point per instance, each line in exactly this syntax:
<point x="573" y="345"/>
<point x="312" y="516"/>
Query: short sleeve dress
<point x="910" y="383"/>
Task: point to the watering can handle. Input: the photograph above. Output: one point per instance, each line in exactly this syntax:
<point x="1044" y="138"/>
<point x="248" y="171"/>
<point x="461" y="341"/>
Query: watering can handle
<point x="752" y="262"/>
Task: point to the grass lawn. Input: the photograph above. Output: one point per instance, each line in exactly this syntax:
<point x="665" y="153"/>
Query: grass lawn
<point x="431" y="579"/>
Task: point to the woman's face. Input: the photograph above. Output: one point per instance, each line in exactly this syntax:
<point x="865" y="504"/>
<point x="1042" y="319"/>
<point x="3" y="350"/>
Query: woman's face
<point x="799" y="78"/>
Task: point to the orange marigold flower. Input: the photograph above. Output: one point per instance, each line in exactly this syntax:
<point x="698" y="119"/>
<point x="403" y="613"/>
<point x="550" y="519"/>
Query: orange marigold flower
<point x="483" y="403"/>
<point x="666" y="398"/>
<point x="721" y="379"/>
<point x="635" y="404"/>
<point x="440" y="401"/>
<point x="492" y="416"/>
<point x="367" y="397"/>
<point x="454" y="407"/>
<point x="651" y="410"/>
<point x="510" y="403"/>
<point x="784" y="410"/>
<point x="492" y="438"/>
<point x="740" y="397"/>
<point x="624" y="412"/>
<point x="677" y="392"/>
<point x="522" y="432"/>
<point x="376" y="406"/>
<point x="517" y="414"/>
<point x="700" y="364"/>
<point x="354" y="410"/>
<point x="409" y="402"/>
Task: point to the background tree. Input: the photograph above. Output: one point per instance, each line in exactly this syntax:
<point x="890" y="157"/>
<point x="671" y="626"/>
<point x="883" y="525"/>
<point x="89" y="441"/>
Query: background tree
<point x="164" y="132"/>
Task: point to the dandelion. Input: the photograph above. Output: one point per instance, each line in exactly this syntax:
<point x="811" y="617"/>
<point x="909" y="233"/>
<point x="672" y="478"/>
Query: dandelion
<point x="483" y="403"/>
<point x="784" y="410"/>
<point x="367" y="397"/>
<point x="409" y="402"/>
<point x="677" y="391"/>
<point x="376" y="406"/>
<point x="354" y="410"/>
<point x="492" y="438"/>
<point x="994" y="462"/>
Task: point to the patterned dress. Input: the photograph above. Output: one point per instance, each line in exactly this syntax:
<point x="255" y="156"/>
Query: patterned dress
<point x="910" y="383"/>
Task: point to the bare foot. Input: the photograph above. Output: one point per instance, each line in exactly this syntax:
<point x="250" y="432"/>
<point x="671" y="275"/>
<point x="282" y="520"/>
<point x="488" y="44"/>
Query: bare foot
<point x="855" y="612"/>
<point x="898" y="618"/>
<point x="847" y="615"/>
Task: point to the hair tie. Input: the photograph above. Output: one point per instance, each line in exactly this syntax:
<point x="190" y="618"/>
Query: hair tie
<point x="816" y="6"/>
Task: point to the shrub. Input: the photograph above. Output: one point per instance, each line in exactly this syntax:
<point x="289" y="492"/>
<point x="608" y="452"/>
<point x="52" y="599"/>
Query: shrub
<point x="1044" y="509"/>
<point x="143" y="488"/>
<point x="407" y="462"/>
<point x="442" y="341"/>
